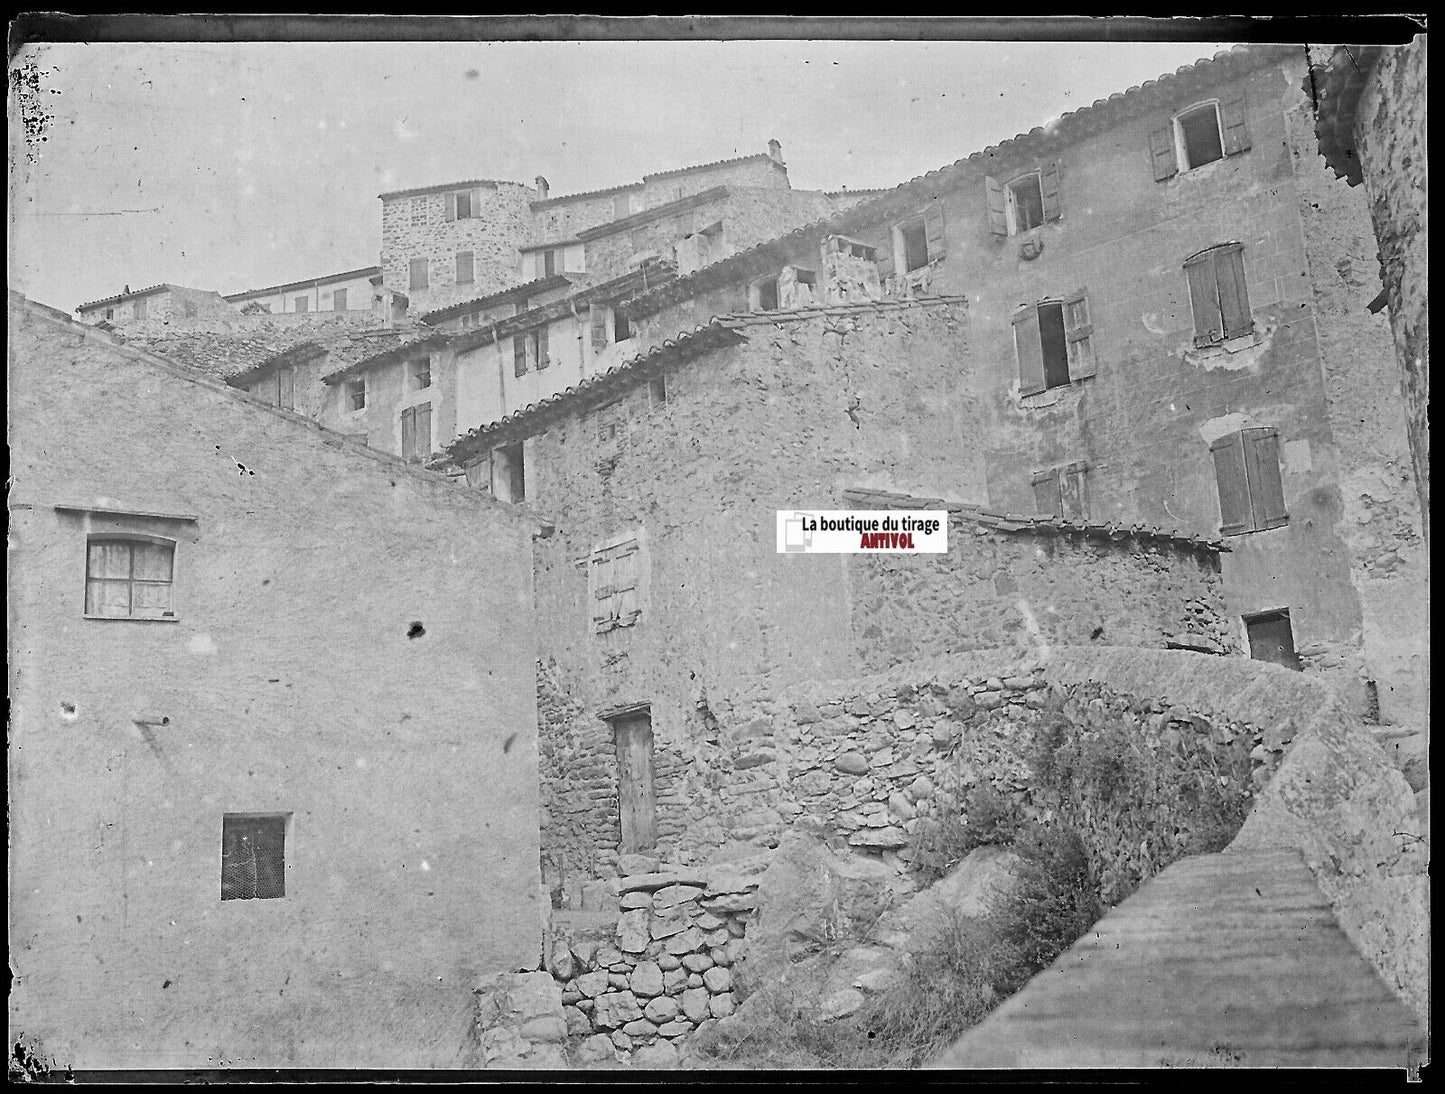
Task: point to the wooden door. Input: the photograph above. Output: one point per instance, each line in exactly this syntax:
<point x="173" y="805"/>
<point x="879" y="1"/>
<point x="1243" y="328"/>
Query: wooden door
<point x="636" y="798"/>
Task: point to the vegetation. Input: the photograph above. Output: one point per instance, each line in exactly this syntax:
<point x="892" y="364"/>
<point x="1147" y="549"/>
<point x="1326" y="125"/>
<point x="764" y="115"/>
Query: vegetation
<point x="1108" y="807"/>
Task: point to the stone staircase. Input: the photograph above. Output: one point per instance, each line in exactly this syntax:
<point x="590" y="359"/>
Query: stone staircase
<point x="1230" y="959"/>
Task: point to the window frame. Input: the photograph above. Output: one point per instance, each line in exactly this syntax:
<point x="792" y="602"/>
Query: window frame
<point x="755" y="294"/>
<point x="1011" y="203"/>
<point x="1181" y="147"/>
<point x="417" y="369"/>
<point x="901" y="233"/>
<point x="287" y="850"/>
<point x="514" y="468"/>
<point x="170" y="614"/>
<point x="351" y="388"/>
<point x="1081" y="359"/>
<point x="630" y="545"/>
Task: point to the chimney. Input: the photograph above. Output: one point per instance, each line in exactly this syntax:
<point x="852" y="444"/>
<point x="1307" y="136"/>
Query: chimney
<point x="775" y="150"/>
<point x="541" y="188"/>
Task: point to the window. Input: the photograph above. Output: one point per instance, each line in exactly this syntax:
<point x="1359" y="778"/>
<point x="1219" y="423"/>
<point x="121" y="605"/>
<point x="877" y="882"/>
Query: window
<point x="611" y="423"/>
<point x="1024" y="203"/>
<point x="129" y="577"/>
<point x="622" y="329"/>
<point x="613" y="574"/>
<point x="1272" y="639"/>
<point x="852" y="248"/>
<point x="418" y="273"/>
<point x="416" y="433"/>
<point x="509" y="477"/>
<point x="1059" y="491"/>
<point x="914" y="238"/>
<point x="189" y="308"/>
<point x="356" y="394"/>
<point x="1218" y="295"/>
<point x="549" y="263"/>
<point x="419" y="371"/>
<point x="253" y="857"/>
<point x="338" y="300"/>
<point x="463" y="204"/>
<point x="140" y="309"/>
<point x="763" y="295"/>
<point x="657" y="390"/>
<point x="916" y="243"/>
<point x="303" y="303"/>
<point x="1198" y="135"/>
<point x="1054" y="343"/>
<point x="464" y="267"/>
<point x="479" y="474"/>
<point x="529" y="351"/>
<point x="1251" y="494"/>
<point x="621" y="206"/>
<point x="110" y="313"/>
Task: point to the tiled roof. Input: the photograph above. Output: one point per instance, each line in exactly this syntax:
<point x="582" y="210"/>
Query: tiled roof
<point x="437" y="187"/>
<point x="366" y="355"/>
<point x="657" y="212"/>
<point x="544" y="313"/>
<point x="548" y="203"/>
<point x="292" y="356"/>
<point x="688" y="344"/>
<point x="516" y="292"/>
<point x="1016" y="522"/>
<point x="1066" y="127"/>
<point x="221" y="356"/>
<point x="366" y="271"/>
<point x="1338" y="85"/>
<point x="127" y="295"/>
<point x="719" y="331"/>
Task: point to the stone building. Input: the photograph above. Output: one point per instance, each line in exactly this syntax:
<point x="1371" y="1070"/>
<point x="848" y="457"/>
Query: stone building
<point x="1168" y="311"/>
<point x="667" y="618"/>
<point x="1371" y="122"/>
<point x="350" y="290"/>
<point x="273" y="758"/>
<point x="156" y="304"/>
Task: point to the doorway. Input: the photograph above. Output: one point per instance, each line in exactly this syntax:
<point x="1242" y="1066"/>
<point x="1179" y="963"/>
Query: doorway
<point x="636" y="794"/>
<point x="1272" y="639"/>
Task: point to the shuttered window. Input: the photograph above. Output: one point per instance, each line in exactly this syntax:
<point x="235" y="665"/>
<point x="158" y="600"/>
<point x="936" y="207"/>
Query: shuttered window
<point x="1025" y="202"/>
<point x="1251" y="492"/>
<point x="416" y="433"/>
<point x="417" y="274"/>
<point x="303" y="303"/>
<point x="519" y="355"/>
<point x="464" y="267"/>
<point x="1199" y="135"/>
<point x="598" y="327"/>
<point x="463" y="204"/>
<point x="614" y="585"/>
<point x="1218" y="295"/>
<point x="1054" y="343"/>
<point x="356" y="394"/>
<point x="1059" y="492"/>
<point x="286" y="388"/>
<point x="543" y="358"/>
<point x="338" y="300"/>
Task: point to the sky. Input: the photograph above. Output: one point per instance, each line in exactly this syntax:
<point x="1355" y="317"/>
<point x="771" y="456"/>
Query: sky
<point x="237" y="166"/>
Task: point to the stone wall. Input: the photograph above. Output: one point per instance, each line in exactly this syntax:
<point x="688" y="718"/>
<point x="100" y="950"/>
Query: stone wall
<point x="1391" y="141"/>
<point x="417" y="227"/>
<point x="351" y="650"/>
<point x="663" y="970"/>
<point x="1034" y="586"/>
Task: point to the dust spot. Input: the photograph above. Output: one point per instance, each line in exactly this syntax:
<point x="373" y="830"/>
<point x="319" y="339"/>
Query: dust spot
<point x="416" y="630"/>
<point x="68" y="711"/>
<point x="507" y="744"/>
<point x="202" y="644"/>
<point x="165" y="985"/>
<point x="1096" y="634"/>
<point x="472" y="74"/>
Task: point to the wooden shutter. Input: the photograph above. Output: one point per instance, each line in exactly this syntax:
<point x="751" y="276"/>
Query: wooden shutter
<point x="464" y="267"/>
<point x="1204" y="299"/>
<point x="884" y="261"/>
<point x="1229" y="472"/>
<point x="1073" y="500"/>
<point x="934" y="229"/>
<point x="418" y="272"/>
<point x="1161" y="152"/>
<point x="549" y="263"/>
<point x="624" y="584"/>
<point x="1048" y="500"/>
<point x="997" y="217"/>
<point x="422" y="440"/>
<point x="1233" y="124"/>
<point x="408" y="434"/>
<point x="338" y="300"/>
<point x="1030" y="350"/>
<point x="604" y="616"/>
<point x="542" y="359"/>
<point x="476" y="202"/>
<point x="1079" y="334"/>
<point x="479" y="474"/>
<point x="599" y="328"/>
<point x="286" y="389"/>
<point x="1049" y="190"/>
<point x="1266" y="490"/>
<point x="621" y="206"/>
<point x="519" y="355"/>
<point x="451" y="200"/>
<point x="1233" y="295"/>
